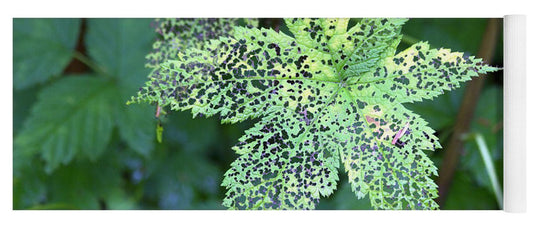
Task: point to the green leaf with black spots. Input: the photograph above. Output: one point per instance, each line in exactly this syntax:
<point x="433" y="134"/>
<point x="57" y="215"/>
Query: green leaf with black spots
<point x="178" y="34"/>
<point x="73" y="116"/>
<point x="42" y="48"/>
<point x="330" y="95"/>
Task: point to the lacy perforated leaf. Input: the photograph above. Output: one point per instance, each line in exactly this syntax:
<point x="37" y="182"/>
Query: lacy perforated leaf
<point x="329" y="95"/>
<point x="179" y="34"/>
<point x="176" y="35"/>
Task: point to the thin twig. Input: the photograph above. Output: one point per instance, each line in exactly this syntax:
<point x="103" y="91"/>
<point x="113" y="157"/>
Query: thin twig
<point x="88" y="62"/>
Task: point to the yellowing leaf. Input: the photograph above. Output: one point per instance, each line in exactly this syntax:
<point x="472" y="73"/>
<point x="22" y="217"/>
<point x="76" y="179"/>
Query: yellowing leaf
<point x="331" y="95"/>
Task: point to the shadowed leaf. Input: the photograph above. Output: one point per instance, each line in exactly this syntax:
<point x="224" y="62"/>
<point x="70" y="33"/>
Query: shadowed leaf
<point x="71" y="117"/>
<point x="41" y="48"/>
<point x="119" y="46"/>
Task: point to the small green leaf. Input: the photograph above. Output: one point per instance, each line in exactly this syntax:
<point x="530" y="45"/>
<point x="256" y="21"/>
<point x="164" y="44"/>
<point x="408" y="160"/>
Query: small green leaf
<point x="72" y="116"/>
<point x="118" y="199"/>
<point x="159" y="133"/>
<point x="42" y="48"/>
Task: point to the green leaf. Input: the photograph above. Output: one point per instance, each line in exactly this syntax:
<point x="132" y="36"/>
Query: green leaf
<point x="457" y="34"/>
<point x="331" y="95"/>
<point x="72" y="116"/>
<point x="176" y="34"/>
<point x="23" y="100"/>
<point x="118" y="199"/>
<point x="85" y="184"/>
<point x="180" y="34"/>
<point x="192" y="135"/>
<point x="179" y="180"/>
<point x="136" y="126"/>
<point x="42" y="48"/>
<point x="119" y="46"/>
<point x="344" y="199"/>
<point x="28" y="181"/>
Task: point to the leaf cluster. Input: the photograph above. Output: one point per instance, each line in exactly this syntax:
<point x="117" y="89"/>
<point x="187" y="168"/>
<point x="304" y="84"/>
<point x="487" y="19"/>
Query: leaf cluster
<point x="77" y="144"/>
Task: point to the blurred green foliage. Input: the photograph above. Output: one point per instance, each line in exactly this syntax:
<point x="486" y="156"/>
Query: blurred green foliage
<point x="78" y="146"/>
<point x="43" y="49"/>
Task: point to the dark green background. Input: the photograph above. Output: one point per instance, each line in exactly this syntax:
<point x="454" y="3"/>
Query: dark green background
<point x="78" y="146"/>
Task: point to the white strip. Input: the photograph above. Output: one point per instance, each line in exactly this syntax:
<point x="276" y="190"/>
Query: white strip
<point x="514" y="106"/>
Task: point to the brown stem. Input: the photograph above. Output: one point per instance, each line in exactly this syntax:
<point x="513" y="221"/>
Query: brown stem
<point x="454" y="148"/>
<point x="75" y="65"/>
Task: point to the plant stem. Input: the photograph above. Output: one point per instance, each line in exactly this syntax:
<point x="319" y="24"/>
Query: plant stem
<point x="484" y="151"/>
<point x="88" y="62"/>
